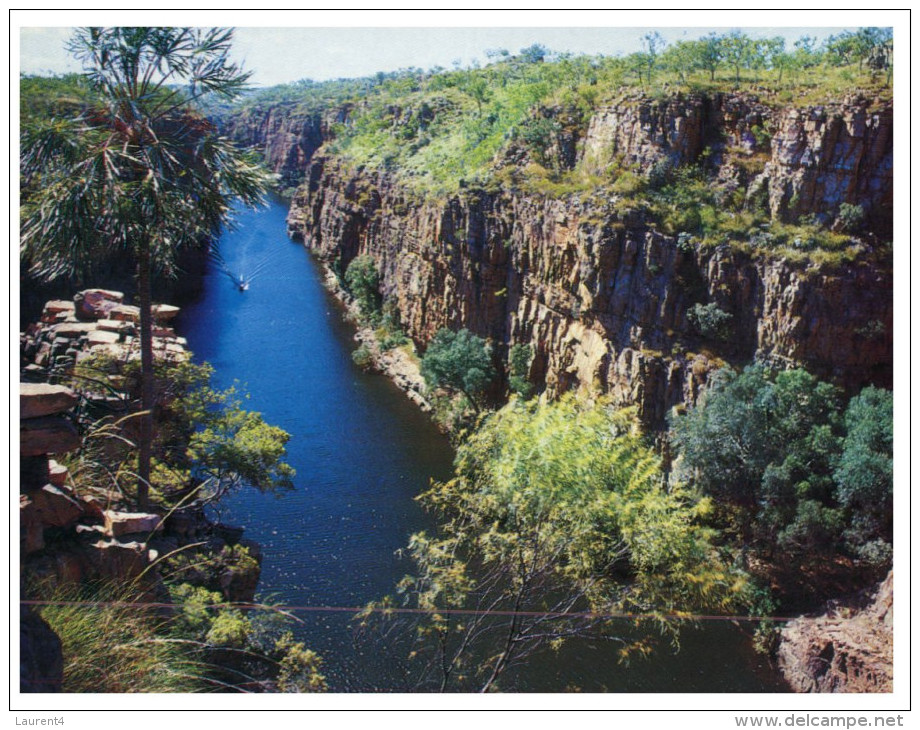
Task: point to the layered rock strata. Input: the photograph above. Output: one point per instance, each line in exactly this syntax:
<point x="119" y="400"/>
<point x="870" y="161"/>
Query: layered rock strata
<point x="602" y="299"/>
<point x="847" y="649"/>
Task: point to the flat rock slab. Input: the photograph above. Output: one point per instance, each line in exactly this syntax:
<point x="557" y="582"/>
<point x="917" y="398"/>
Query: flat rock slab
<point x="43" y="399"/>
<point x="113" y="325"/>
<point x="72" y="330"/>
<point x="128" y="523"/>
<point x="57" y="307"/>
<point x="47" y="435"/>
<point x="101" y="337"/>
<point x="164" y="312"/>
<point x="125" y="313"/>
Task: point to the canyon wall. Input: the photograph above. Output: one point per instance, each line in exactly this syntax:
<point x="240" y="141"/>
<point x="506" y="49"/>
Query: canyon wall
<point x="603" y="297"/>
<point x="286" y="134"/>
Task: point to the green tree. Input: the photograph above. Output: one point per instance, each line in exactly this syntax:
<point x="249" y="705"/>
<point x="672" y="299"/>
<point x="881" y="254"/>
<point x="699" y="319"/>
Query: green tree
<point x="738" y="51"/>
<point x="556" y="510"/>
<point x="363" y="281"/>
<point x="709" y="54"/>
<point x="764" y="445"/>
<point x="138" y="171"/>
<point x="460" y="361"/>
<point x="864" y="474"/>
<point x="652" y="44"/>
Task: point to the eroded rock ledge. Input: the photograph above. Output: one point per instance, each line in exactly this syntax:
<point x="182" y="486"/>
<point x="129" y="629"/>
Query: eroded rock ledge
<point x="847" y="649"/>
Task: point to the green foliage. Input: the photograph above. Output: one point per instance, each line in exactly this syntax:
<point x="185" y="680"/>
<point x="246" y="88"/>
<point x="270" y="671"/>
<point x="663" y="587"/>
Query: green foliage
<point x="519" y="359"/>
<point x="864" y="474"/>
<point x="850" y="217"/>
<point x="784" y="465"/>
<point x="206" y="441"/>
<point x="710" y="321"/>
<point x="139" y="171"/>
<point x="362" y="357"/>
<point x="539" y="136"/>
<point x="554" y="508"/>
<point x="234" y="446"/>
<point x="363" y="281"/>
<point x="460" y="361"/>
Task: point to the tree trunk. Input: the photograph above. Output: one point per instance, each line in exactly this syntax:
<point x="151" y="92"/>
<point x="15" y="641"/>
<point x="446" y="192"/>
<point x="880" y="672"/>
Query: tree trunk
<point x="145" y="445"/>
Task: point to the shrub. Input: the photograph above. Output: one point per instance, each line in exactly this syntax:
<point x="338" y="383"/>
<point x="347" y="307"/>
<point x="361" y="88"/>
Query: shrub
<point x="850" y="217"/>
<point x="710" y="321"/>
<point x="363" y="358"/>
<point x="363" y="281"/>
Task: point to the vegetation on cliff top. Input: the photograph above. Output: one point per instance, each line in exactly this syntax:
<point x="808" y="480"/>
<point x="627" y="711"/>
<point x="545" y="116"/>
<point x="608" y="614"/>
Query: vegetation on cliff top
<point x="441" y="128"/>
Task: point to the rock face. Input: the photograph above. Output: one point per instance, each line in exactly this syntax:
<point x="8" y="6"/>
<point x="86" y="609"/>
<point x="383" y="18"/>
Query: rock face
<point x="286" y="135"/>
<point x="602" y="300"/>
<point x="826" y="156"/>
<point x="847" y="649"/>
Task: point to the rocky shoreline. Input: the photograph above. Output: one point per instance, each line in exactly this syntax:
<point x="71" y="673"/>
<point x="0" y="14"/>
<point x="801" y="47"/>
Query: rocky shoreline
<point x="71" y="533"/>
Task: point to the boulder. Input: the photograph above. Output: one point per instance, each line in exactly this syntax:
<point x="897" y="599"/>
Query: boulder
<point x="41" y="660"/>
<point x="121" y="561"/>
<point x="43" y="399"/>
<point x="128" y="523"/>
<point x="57" y="473"/>
<point x="47" y="435"/>
<point x="54" y="507"/>
<point x="96" y="303"/>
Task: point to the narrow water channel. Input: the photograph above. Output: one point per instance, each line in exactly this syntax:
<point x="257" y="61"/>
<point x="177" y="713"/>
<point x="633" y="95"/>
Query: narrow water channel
<point x="362" y="452"/>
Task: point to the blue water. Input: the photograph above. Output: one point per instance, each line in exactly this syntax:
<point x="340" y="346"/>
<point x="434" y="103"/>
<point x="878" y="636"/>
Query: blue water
<point x="362" y="452"/>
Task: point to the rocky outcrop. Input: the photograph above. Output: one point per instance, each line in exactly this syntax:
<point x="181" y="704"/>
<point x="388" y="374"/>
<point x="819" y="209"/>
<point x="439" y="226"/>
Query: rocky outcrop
<point x="847" y="649"/>
<point x="603" y="299"/>
<point x="826" y="156"/>
<point x="96" y="321"/>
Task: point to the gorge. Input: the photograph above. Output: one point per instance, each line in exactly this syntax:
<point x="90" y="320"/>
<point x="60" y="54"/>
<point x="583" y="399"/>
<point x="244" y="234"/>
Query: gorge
<point x="699" y="273"/>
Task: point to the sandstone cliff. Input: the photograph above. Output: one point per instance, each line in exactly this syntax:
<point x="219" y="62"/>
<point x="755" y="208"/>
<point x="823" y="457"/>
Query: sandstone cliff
<point x="847" y="649"/>
<point x="601" y="301"/>
<point x="286" y="134"/>
<point x="602" y="297"/>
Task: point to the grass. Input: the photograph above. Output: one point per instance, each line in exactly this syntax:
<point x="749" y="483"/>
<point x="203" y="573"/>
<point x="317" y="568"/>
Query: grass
<point x="111" y="647"/>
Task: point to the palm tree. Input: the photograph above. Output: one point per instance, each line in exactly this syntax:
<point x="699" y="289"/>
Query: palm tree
<point x="138" y="171"/>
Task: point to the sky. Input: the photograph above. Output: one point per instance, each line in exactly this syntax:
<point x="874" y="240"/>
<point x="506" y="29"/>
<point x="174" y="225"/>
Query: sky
<point x="291" y="50"/>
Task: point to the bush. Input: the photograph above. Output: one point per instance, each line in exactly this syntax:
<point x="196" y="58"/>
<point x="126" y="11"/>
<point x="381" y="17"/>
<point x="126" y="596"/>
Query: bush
<point x="460" y="361"/>
<point x="710" y="321"/>
<point x="363" y="358"/>
<point x="363" y="281"/>
<point x="850" y="217"/>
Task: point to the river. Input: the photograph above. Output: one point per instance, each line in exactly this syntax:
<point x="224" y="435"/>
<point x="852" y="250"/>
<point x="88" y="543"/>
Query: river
<point x="362" y="451"/>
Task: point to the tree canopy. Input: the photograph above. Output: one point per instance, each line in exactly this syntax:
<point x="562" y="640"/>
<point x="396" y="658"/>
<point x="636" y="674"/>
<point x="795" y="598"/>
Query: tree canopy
<point x="556" y="510"/>
<point x="461" y="361"/>
<point x="788" y="470"/>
